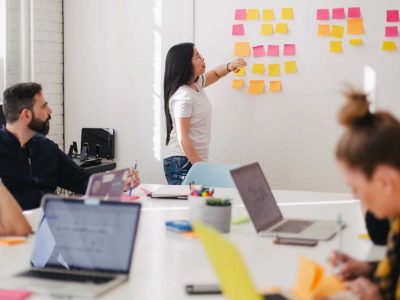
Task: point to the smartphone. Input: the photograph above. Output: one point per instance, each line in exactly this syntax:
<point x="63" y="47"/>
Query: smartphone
<point x="203" y="289"/>
<point x="274" y="297"/>
<point x="295" y="241"/>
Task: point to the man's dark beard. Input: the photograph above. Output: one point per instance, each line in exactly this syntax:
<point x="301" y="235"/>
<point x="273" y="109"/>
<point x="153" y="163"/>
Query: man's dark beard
<point x="41" y="127"/>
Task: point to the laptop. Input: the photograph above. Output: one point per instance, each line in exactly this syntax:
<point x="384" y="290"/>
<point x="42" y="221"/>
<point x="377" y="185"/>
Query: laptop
<point x="265" y="213"/>
<point x="107" y="185"/>
<point x="83" y="248"/>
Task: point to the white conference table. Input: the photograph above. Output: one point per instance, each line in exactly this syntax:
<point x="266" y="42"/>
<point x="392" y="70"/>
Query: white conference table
<point x="164" y="262"/>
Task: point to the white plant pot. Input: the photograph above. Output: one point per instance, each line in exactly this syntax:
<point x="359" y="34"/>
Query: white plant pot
<point x="218" y="217"/>
<point x="196" y="207"/>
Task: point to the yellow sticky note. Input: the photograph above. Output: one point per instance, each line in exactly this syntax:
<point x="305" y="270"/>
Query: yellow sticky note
<point x="274" y="70"/>
<point x="256" y="87"/>
<point x="268" y="15"/>
<point x="267" y="29"/>
<point x="337" y="31"/>
<point x="388" y="46"/>
<point x="282" y="28"/>
<point x="252" y="14"/>
<point x="287" y="13"/>
<point x="242" y="49"/>
<point x="324" y="30"/>
<point x="308" y="276"/>
<point x="364" y="236"/>
<point x="355" y="26"/>
<point x="275" y="86"/>
<point x="241" y="72"/>
<point x="258" y="68"/>
<point x="356" y="42"/>
<point x="237" y="84"/>
<point x="336" y="47"/>
<point x="290" y="67"/>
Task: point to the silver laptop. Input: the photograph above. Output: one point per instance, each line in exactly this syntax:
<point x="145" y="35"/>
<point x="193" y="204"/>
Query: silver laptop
<point x="265" y="213"/>
<point x="83" y="248"/>
<point x="107" y="185"/>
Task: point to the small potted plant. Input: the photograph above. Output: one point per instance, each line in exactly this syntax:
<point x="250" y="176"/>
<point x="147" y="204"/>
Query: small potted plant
<point x="217" y="213"/>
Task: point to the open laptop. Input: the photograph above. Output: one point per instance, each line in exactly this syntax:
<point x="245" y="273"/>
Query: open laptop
<point x="83" y="248"/>
<point x="265" y="213"/>
<point x="107" y="185"/>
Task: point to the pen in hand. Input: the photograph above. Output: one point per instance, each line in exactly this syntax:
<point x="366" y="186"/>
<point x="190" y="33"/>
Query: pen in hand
<point x="339" y="224"/>
<point x="133" y="174"/>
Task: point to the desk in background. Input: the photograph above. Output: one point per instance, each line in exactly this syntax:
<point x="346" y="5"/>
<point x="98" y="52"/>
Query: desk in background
<point x="105" y="165"/>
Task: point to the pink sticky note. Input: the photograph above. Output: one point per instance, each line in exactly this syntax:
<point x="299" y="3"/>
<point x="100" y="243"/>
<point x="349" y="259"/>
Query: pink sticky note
<point x="289" y="49"/>
<point x="354" y="13"/>
<point x="258" y="51"/>
<point x="273" y="50"/>
<point x="391" y="31"/>
<point x="240" y="14"/>
<point x="392" y="15"/>
<point x="237" y="29"/>
<point x="323" y="14"/>
<point x="338" y="13"/>
<point x="14" y="294"/>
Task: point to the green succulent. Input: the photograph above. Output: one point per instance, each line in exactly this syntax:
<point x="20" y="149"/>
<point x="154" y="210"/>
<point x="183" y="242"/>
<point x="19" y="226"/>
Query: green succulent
<point x="219" y="202"/>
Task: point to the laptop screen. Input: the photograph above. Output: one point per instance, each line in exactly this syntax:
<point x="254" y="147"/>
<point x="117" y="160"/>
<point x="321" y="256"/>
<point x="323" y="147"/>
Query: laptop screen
<point x="86" y="235"/>
<point x="257" y="196"/>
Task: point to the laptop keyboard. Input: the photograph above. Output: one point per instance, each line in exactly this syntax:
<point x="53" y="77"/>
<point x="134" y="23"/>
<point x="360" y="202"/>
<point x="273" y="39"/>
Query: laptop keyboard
<point x="67" y="276"/>
<point x="293" y="226"/>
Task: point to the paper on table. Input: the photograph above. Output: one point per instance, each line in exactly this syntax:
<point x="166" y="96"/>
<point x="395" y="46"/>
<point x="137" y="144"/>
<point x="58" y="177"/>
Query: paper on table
<point x="287" y="13"/>
<point x="240" y="14"/>
<point x="336" y="47"/>
<point x="388" y="46"/>
<point x="392" y="15"/>
<point x="275" y="86"/>
<point x="324" y="30"/>
<point x="258" y="51"/>
<point x="11" y="241"/>
<point x="258" y="68"/>
<point x="273" y="50"/>
<point x="290" y="67"/>
<point x="323" y="14"/>
<point x="337" y="31"/>
<point x="171" y="191"/>
<point x="237" y="84"/>
<point x="256" y="87"/>
<point x="268" y="15"/>
<point x="338" y="13"/>
<point x="267" y="29"/>
<point x="237" y="29"/>
<point x="274" y="70"/>
<point x="242" y="49"/>
<point x="14" y="294"/>
<point x="282" y="28"/>
<point x="354" y="13"/>
<point x="355" y="26"/>
<point x="252" y="14"/>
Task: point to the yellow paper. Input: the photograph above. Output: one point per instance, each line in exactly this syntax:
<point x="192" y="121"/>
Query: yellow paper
<point x="234" y="279"/>
<point x="258" y="68"/>
<point x="290" y="67"/>
<point x="388" y="45"/>
<point x="355" y="26"/>
<point x="256" y="87"/>
<point x="267" y="29"/>
<point x="337" y="31"/>
<point x="252" y="14"/>
<point x="328" y="286"/>
<point x="364" y="236"/>
<point x="241" y="72"/>
<point x="324" y="30"/>
<point x="237" y="84"/>
<point x="242" y="49"/>
<point x="268" y="15"/>
<point x="274" y="70"/>
<point x="287" y="13"/>
<point x="356" y="42"/>
<point x="336" y="47"/>
<point x="282" y="28"/>
<point x="275" y="86"/>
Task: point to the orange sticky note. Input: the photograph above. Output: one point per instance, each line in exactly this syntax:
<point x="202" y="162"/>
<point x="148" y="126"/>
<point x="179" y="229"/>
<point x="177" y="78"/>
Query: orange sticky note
<point x="268" y="15"/>
<point x="324" y="30"/>
<point x="242" y="49"/>
<point x="388" y="46"/>
<point x="256" y="87"/>
<point x="12" y="241"/>
<point x="282" y="28"/>
<point x="356" y="42"/>
<point x="241" y="72"/>
<point x="355" y="26"/>
<point x="275" y="86"/>
<point x="336" y="47"/>
<point x="337" y="31"/>
<point x="267" y="29"/>
<point x="328" y="286"/>
<point x="274" y="70"/>
<point x="237" y="84"/>
<point x="252" y="14"/>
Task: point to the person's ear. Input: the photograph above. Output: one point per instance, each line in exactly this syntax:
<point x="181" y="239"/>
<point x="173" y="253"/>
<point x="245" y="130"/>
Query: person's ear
<point x="386" y="177"/>
<point x="26" y="114"/>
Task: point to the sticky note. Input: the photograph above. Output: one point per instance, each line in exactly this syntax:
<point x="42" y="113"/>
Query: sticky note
<point x="258" y="51"/>
<point x="338" y="13"/>
<point x="355" y="26"/>
<point x="391" y="31"/>
<point x="328" y="285"/>
<point x="274" y="70"/>
<point x="336" y="47"/>
<point x="237" y="29"/>
<point x="392" y="15"/>
<point x="14" y="294"/>
<point x="356" y="42"/>
<point x="289" y="49"/>
<point x="241" y="72"/>
<point x="354" y="13"/>
<point x="282" y="28"/>
<point x="252" y="14"/>
<point x="337" y="31"/>
<point x="12" y="241"/>
<point x="324" y="30"/>
<point x="287" y="13"/>
<point x="267" y="29"/>
<point x="258" y="68"/>
<point x="275" y="86"/>
<point x="237" y="84"/>
<point x="323" y="14"/>
<point x="388" y="46"/>
<point x="256" y="87"/>
<point x="273" y="50"/>
<point x="268" y="15"/>
<point x="242" y="49"/>
<point x="290" y="67"/>
<point x="240" y="14"/>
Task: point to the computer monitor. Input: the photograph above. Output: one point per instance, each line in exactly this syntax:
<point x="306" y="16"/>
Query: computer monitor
<point x="105" y="137"/>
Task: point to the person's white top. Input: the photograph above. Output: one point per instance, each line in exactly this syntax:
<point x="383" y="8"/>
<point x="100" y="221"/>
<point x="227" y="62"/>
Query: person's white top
<point x="185" y="103"/>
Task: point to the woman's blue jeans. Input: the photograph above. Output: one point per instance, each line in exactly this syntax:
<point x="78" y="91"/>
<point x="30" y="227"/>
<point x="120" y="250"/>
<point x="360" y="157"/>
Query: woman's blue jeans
<point x="176" y="169"/>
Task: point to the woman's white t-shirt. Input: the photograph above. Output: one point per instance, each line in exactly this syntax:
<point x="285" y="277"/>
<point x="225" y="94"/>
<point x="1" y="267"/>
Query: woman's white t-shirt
<point x="185" y="103"/>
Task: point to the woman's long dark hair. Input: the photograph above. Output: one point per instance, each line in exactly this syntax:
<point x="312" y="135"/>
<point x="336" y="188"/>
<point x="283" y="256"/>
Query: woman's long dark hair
<point x="178" y="71"/>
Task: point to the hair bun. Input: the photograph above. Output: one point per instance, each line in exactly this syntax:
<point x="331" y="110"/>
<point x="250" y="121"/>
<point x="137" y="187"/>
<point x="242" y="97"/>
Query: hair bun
<point x="355" y="109"/>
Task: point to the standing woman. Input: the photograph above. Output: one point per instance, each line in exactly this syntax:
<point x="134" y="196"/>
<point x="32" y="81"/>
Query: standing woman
<point x="187" y="108"/>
